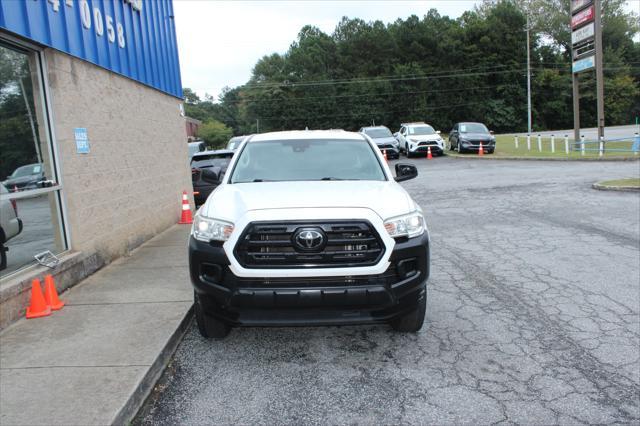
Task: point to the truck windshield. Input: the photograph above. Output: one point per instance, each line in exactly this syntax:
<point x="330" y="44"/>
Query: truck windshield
<point x="305" y="160"/>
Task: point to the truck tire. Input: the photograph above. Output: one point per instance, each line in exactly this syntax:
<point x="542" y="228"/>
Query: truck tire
<point x="411" y="322"/>
<point x="208" y="326"/>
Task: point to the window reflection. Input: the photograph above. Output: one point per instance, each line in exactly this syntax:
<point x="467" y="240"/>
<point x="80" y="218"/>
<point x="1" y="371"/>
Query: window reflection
<point x="24" y="160"/>
<point x="29" y="210"/>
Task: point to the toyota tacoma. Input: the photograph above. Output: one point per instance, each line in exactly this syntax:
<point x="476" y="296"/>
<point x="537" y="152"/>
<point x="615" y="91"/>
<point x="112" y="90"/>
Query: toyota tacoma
<point x="309" y="228"/>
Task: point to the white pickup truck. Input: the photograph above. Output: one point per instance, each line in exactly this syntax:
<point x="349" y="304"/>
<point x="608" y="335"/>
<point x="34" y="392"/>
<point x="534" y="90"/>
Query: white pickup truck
<point x="309" y="228"/>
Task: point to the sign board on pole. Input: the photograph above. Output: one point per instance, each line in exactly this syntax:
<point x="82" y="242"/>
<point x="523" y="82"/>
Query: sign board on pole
<point x="583" y="33"/>
<point x="579" y="4"/>
<point x="584" y="64"/>
<point x="585" y="49"/>
<point x="583" y="16"/>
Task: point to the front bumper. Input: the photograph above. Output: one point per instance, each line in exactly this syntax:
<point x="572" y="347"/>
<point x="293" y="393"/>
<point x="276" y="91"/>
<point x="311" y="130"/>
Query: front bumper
<point x="308" y="301"/>
<point x="423" y="149"/>
<point x="475" y="146"/>
<point x="392" y="153"/>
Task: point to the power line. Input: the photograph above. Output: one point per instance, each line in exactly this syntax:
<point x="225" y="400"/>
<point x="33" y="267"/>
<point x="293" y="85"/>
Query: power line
<point x="305" y="98"/>
<point x="312" y="115"/>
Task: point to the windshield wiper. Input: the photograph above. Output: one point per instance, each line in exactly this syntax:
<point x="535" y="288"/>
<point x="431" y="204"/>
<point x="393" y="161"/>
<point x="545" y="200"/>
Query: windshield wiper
<point x="331" y="178"/>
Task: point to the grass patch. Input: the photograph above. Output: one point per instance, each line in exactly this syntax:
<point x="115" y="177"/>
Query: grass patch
<point x="505" y="147"/>
<point x="627" y="183"/>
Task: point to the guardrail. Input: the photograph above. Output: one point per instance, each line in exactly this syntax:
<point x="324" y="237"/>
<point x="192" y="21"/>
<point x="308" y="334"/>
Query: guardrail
<point x="552" y="144"/>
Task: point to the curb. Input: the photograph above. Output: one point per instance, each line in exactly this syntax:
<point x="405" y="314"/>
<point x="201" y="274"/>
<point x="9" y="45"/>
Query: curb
<point x="491" y="157"/>
<point x="143" y="389"/>
<point x="615" y="188"/>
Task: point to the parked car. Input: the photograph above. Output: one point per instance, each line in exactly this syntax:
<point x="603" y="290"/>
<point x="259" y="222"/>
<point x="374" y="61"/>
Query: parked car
<point x="235" y="142"/>
<point x="416" y="138"/>
<point x="10" y="223"/>
<point x="207" y="169"/>
<point x="30" y="176"/>
<point x="195" y="147"/>
<point x="383" y="138"/>
<point x="467" y="137"/>
<point x="309" y="228"/>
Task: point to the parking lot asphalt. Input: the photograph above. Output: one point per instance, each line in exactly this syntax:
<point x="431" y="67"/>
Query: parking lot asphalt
<point x="533" y="317"/>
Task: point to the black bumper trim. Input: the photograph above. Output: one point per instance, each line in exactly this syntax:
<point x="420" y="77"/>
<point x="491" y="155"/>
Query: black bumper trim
<point x="316" y="301"/>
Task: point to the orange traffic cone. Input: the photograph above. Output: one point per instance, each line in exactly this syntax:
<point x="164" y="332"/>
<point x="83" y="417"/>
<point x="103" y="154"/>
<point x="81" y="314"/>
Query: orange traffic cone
<point x="480" y="150"/>
<point x="38" y="306"/>
<point x="186" y="210"/>
<point x="384" y="153"/>
<point x="429" y="156"/>
<point x="51" y="294"/>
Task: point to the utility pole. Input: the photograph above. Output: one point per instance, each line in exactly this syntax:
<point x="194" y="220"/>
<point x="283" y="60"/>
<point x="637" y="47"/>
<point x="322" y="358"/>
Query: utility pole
<point x="257" y="125"/>
<point x="528" y="77"/>
<point x="599" y="73"/>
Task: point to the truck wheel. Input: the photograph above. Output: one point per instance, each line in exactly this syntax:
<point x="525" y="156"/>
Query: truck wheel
<point x="208" y="326"/>
<point x="412" y="321"/>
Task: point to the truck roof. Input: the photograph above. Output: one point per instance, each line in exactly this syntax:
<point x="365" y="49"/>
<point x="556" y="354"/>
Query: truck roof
<point x="306" y="135"/>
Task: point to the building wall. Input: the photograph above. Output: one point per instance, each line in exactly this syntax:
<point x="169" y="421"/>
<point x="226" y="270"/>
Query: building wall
<point x="128" y="188"/>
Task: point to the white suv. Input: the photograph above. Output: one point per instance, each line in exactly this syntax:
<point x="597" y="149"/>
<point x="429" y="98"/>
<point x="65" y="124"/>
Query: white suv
<point x="10" y="223"/>
<point x="416" y="138"/>
<point x="309" y="228"/>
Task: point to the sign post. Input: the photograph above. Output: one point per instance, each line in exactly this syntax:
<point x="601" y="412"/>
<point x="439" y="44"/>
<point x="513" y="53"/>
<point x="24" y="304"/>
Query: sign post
<point x="599" y="72"/>
<point x="586" y="46"/>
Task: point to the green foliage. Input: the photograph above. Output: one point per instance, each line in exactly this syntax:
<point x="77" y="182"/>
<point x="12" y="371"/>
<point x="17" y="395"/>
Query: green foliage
<point x="215" y="134"/>
<point x="435" y="69"/>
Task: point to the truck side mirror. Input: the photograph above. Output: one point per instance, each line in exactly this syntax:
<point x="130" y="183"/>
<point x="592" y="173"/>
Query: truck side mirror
<point x="405" y="171"/>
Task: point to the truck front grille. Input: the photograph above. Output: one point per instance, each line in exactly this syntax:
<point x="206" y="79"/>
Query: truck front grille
<point x="271" y="245"/>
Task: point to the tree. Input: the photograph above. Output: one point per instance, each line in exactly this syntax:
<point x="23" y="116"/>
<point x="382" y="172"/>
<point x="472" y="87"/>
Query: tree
<point x="436" y="69"/>
<point x="190" y="97"/>
<point x="215" y="134"/>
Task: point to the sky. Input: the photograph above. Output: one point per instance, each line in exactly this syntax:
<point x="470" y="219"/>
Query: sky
<point x="219" y="41"/>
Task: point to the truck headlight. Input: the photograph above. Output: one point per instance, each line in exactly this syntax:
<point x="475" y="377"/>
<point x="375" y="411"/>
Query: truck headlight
<point x="409" y="225"/>
<point x="207" y="229"/>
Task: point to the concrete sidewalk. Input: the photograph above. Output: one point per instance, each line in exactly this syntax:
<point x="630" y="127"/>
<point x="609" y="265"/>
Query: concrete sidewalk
<point x="95" y="361"/>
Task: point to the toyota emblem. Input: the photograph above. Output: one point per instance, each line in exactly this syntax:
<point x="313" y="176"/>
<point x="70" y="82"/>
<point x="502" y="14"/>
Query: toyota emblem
<point x="309" y="239"/>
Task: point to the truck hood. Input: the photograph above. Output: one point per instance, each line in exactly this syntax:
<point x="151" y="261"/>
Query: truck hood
<point x="232" y="201"/>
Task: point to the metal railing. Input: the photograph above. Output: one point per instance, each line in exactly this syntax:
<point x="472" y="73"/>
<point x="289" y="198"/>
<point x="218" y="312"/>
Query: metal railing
<point x="539" y="143"/>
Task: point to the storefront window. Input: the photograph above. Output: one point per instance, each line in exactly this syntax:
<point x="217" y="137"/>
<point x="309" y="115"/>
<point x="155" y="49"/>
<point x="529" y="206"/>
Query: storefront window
<point x="30" y="219"/>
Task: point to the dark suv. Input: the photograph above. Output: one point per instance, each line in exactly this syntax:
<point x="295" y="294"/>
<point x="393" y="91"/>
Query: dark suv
<point x="207" y="170"/>
<point x="468" y="136"/>
<point x="26" y="177"/>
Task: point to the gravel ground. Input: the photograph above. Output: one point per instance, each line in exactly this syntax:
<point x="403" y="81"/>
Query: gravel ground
<point x="533" y="318"/>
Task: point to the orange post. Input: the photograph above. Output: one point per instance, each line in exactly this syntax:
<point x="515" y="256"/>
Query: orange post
<point x="186" y="217"/>
<point x="38" y="306"/>
<point x="429" y="156"/>
<point x="51" y="294"/>
<point x="480" y="150"/>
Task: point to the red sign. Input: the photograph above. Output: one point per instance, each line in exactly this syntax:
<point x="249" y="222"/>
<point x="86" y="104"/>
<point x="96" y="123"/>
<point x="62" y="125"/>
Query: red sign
<point x="583" y="16"/>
